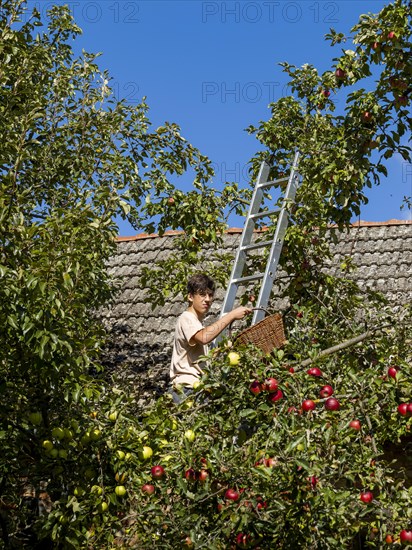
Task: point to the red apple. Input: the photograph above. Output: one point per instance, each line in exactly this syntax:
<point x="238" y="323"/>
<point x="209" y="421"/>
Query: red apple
<point x="203" y="475"/>
<point x="391" y="35"/>
<point x="242" y="540"/>
<point x="367" y="116"/>
<point x="326" y="93"/>
<point x="308" y="405"/>
<point x="276" y="396"/>
<point x="299" y="315"/>
<point x="340" y="74"/>
<point x="170" y="200"/>
<point x="255" y="387"/>
<point x="366" y="497"/>
<point x="409" y="409"/>
<point x="190" y="474"/>
<point x="314" y="371"/>
<point x="376" y="46"/>
<point x="148" y="489"/>
<point x="157" y="472"/>
<point x="261" y="504"/>
<point x="332" y="404"/>
<point x="403" y="409"/>
<point x="269" y="462"/>
<point x="271" y="385"/>
<point x="392" y="372"/>
<point x="355" y="424"/>
<point x="232" y="494"/>
<point x="313" y="481"/>
<point x="326" y="391"/>
<point x="405" y="536"/>
<point x="291" y="370"/>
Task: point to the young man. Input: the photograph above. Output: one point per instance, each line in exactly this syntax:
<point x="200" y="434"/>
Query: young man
<point x="191" y="337"/>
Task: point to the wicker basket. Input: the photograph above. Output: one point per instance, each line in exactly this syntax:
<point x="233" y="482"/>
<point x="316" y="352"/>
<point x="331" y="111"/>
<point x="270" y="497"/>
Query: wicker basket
<point x="267" y="334"/>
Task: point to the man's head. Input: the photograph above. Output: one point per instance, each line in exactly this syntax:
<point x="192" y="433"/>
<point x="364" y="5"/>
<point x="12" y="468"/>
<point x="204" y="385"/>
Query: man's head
<point x="201" y="290"/>
<point x="201" y="284"/>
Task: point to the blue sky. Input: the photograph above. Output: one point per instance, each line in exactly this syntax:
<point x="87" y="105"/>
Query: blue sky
<point x="212" y="67"/>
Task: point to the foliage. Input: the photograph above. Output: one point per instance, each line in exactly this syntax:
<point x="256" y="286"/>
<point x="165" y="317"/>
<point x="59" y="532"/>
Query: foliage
<point x="298" y="474"/>
<point x="74" y="457"/>
<point x="342" y="151"/>
<point x="72" y="158"/>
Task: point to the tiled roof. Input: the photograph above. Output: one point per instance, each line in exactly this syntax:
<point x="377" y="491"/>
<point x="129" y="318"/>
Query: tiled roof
<point x="141" y="339"/>
<point x="381" y="250"/>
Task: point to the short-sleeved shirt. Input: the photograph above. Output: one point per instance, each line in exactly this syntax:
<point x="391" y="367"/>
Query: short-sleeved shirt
<point x="184" y="368"/>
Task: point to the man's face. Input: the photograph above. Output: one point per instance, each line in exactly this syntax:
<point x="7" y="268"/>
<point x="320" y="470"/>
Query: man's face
<point x="201" y="301"/>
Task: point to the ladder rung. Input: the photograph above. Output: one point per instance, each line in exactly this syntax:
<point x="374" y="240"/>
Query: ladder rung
<point x="270" y="183"/>
<point x="264" y="213"/>
<point x="249" y="278"/>
<point x="256" y="245"/>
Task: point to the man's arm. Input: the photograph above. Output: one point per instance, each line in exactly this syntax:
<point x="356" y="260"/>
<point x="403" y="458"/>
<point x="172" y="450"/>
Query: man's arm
<point x="208" y="334"/>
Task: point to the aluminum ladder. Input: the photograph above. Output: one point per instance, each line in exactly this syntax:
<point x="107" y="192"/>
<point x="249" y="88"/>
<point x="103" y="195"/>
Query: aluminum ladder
<point x="246" y="245"/>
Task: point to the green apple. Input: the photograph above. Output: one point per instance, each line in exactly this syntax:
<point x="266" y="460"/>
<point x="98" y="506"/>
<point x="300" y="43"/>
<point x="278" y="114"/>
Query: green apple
<point x="120" y="455"/>
<point x="113" y="416"/>
<point x="146" y="453"/>
<point x="63" y="519"/>
<point x="95" y="434"/>
<point x="47" y="445"/>
<point x="68" y="434"/>
<point x="120" y="490"/>
<point x="190" y="435"/>
<point x="234" y="358"/>
<point x="96" y="489"/>
<point x="85" y="439"/>
<point x="35" y="418"/>
<point x="54" y="453"/>
<point x="63" y="454"/>
<point x="102" y="507"/>
<point x="58" y="433"/>
<point x="78" y="491"/>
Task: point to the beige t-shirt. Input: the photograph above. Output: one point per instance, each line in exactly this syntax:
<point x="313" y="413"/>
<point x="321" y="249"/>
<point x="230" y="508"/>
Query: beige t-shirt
<point x="184" y="368"/>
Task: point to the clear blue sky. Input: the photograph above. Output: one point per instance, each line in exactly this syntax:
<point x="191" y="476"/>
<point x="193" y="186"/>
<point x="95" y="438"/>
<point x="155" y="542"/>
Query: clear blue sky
<point x="212" y="67"/>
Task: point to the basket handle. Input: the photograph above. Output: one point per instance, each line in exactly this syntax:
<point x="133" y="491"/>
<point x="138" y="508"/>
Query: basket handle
<point x="229" y="328"/>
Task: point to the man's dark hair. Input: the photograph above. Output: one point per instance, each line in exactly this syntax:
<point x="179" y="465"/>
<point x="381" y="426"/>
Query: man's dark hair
<point x="200" y="284"/>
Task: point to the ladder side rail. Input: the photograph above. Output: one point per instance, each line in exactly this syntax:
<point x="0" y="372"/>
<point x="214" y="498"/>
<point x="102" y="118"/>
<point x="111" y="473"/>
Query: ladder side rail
<point x="246" y="238"/>
<point x="276" y="249"/>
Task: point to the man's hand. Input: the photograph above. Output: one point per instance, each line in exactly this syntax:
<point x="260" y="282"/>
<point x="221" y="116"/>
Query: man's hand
<point x="241" y="312"/>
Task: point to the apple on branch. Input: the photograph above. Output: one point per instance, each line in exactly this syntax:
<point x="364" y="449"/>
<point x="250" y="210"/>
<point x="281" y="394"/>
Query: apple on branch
<point x="366" y="497"/>
<point x="157" y="472"/>
<point x="308" y="405"/>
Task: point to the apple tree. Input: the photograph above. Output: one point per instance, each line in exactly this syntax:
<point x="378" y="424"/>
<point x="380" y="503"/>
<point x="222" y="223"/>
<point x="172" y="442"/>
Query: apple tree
<point x="305" y="449"/>
<point x="73" y="158"/>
